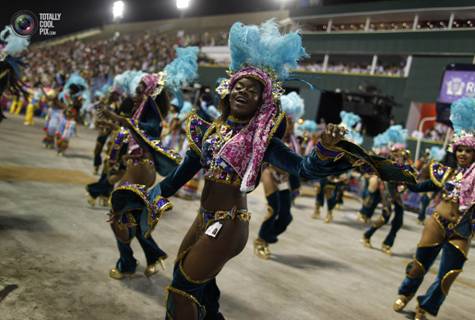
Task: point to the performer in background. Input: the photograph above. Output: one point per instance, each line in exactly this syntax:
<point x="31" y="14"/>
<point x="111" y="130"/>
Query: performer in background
<point x="11" y="65"/>
<point x="277" y="185"/>
<point x="450" y="228"/>
<point x="134" y="211"/>
<point x="391" y="192"/>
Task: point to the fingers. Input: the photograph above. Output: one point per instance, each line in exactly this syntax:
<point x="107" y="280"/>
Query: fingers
<point x="335" y="131"/>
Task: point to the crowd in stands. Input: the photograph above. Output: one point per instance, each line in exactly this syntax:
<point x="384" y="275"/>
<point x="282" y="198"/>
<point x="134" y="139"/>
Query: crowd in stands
<point x="100" y="60"/>
<point x="354" y="68"/>
<point x="387" y="26"/>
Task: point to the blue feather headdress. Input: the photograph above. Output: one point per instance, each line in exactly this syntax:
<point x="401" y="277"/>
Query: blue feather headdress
<point x="462" y="116"/>
<point x="265" y="48"/>
<point x="103" y="91"/>
<point x="11" y="66"/>
<point x="350" y="120"/>
<point x="183" y="69"/>
<point x="436" y="153"/>
<point x="186" y="109"/>
<point x="309" y="126"/>
<point x="14" y="43"/>
<point x="394" y="139"/>
<point x="127" y="82"/>
<point x="293" y="105"/>
<point x="80" y="82"/>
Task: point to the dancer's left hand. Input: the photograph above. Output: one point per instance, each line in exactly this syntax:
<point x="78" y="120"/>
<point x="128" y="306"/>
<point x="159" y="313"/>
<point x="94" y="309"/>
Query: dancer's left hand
<point x="333" y="134"/>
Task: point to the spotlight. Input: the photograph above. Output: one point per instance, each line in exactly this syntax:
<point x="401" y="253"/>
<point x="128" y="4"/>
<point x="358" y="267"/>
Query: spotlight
<point x="118" y="9"/>
<point x="182" y="4"/>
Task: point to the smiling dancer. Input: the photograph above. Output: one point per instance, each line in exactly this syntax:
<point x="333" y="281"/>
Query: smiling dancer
<point x="450" y="228"/>
<point x="232" y="151"/>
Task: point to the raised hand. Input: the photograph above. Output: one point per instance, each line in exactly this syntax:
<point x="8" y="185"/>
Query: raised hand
<point x="333" y="134"/>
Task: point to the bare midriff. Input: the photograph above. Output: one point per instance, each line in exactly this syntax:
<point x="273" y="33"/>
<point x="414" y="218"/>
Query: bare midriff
<point x="220" y="196"/>
<point x="139" y="172"/>
<point x="448" y="210"/>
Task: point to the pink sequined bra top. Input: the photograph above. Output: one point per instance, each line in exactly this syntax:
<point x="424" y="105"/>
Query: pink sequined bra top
<point x="216" y="169"/>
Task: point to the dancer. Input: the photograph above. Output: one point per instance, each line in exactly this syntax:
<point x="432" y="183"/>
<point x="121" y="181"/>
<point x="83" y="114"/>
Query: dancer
<point x="391" y="192"/>
<point x="67" y="129"/>
<point x="112" y="169"/>
<point x="54" y="117"/>
<point x="105" y="128"/>
<point x="332" y="187"/>
<point x="276" y="186"/>
<point x="450" y="228"/>
<point x="135" y="212"/>
<point x="11" y="66"/>
<point x="231" y="151"/>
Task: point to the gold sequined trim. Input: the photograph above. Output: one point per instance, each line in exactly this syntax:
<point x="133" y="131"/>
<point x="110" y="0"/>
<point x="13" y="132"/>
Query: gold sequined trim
<point x="436" y="216"/>
<point x="420" y="265"/>
<point x="445" y="288"/>
<point x="456" y="246"/>
<point x="183" y="294"/>
<point x="192" y="144"/>
<point x="438" y="183"/>
<point x="188" y="278"/>
<point x="151" y="222"/>
<point x="170" y="154"/>
<point x="236" y="182"/>
<point x="278" y="119"/>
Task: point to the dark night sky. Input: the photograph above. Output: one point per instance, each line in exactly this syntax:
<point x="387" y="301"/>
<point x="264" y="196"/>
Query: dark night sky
<point x="82" y="14"/>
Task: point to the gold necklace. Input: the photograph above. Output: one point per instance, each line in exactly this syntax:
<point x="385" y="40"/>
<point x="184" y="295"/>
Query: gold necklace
<point x="236" y="120"/>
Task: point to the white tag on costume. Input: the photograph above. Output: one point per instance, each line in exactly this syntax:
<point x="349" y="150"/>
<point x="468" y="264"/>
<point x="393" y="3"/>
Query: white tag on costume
<point x="283" y="186"/>
<point x="213" y="229"/>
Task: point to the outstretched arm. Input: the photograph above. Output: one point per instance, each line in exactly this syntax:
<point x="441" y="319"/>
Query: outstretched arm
<point x="180" y="175"/>
<point x="321" y="162"/>
<point x="424" y="186"/>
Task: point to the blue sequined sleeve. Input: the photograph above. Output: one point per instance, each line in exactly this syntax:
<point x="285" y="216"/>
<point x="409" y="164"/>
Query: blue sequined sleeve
<point x="309" y="167"/>
<point x="180" y="175"/>
<point x="424" y="186"/>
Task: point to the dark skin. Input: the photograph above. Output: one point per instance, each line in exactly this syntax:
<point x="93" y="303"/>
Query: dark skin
<point x="244" y="100"/>
<point x="137" y="173"/>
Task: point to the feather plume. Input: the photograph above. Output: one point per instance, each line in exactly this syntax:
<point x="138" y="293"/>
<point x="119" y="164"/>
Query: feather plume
<point x="265" y="47"/>
<point x="183" y="69"/>
<point x="293" y="105"/>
